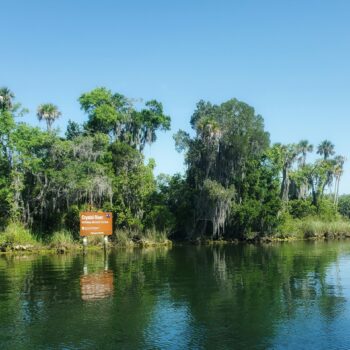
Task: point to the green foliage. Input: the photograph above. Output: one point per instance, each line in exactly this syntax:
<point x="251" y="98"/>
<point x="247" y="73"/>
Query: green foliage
<point x="182" y="140"/>
<point x="344" y="205"/>
<point x="228" y="149"/>
<point x="124" y="237"/>
<point x="149" y="237"/>
<point x="72" y="220"/>
<point x="314" y="227"/>
<point x="49" y="113"/>
<point x="272" y="185"/>
<point x="289" y="227"/>
<point x="95" y="240"/>
<point x="300" y="208"/>
<point x="236" y="184"/>
<point x="261" y="194"/>
<point x="63" y="238"/>
<point x="216" y="201"/>
<point x="325" y="149"/>
<point x="47" y="180"/>
<point x="133" y="183"/>
<point x="175" y="193"/>
<point x="115" y="115"/>
<point x="73" y="130"/>
<point x="16" y="234"/>
<point x="160" y="218"/>
<point x="152" y="236"/>
<point x="326" y="210"/>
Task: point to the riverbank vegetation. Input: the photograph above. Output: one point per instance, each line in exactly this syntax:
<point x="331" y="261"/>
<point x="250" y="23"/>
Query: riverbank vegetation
<point x="237" y="184"/>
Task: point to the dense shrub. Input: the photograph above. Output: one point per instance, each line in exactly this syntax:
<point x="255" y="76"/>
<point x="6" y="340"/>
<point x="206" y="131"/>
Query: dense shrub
<point x="300" y="208"/>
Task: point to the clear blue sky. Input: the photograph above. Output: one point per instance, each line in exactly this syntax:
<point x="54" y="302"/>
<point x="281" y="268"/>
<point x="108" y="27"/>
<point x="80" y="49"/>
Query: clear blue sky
<point x="288" y="59"/>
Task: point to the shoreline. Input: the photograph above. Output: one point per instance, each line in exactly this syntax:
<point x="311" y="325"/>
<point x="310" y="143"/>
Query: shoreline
<point x="78" y="247"/>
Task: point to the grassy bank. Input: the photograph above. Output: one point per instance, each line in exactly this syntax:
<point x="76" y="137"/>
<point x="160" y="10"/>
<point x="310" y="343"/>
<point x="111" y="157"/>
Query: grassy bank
<point x="145" y="239"/>
<point x="15" y="237"/>
<point x="314" y="228"/>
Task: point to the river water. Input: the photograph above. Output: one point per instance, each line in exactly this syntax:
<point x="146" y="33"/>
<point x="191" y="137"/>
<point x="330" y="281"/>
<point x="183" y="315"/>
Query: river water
<point x="283" y="296"/>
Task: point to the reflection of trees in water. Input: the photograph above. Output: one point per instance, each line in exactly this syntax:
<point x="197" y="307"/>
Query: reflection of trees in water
<point x="230" y="294"/>
<point x="46" y="306"/>
<point x="219" y="264"/>
<point x="244" y="292"/>
<point x="14" y="275"/>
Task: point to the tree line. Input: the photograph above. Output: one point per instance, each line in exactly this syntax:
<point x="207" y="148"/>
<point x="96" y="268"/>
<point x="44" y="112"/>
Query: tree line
<point x="236" y="183"/>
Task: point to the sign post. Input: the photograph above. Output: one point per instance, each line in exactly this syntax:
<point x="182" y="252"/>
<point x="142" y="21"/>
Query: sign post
<point x="96" y="223"/>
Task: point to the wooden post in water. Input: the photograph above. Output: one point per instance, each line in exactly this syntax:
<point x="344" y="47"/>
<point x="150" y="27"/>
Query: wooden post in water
<point x="85" y="242"/>
<point x="105" y="260"/>
<point x="105" y="243"/>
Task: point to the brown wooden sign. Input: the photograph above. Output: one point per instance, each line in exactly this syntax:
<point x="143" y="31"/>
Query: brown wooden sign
<point x="96" y="223"/>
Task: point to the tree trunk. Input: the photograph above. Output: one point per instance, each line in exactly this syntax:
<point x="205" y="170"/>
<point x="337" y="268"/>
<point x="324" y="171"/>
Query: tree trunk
<point x="285" y="185"/>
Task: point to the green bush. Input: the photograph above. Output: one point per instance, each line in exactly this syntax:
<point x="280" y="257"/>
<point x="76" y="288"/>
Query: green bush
<point x="155" y="236"/>
<point x="161" y="218"/>
<point x="300" y="208"/>
<point x="17" y="234"/>
<point x="61" y="238"/>
<point x="251" y="218"/>
<point x="149" y="237"/>
<point x="326" y="210"/>
<point x="344" y="205"/>
<point x="289" y="227"/>
<point x="312" y="227"/>
<point x="315" y="227"/>
<point x="95" y="240"/>
<point x="124" y="237"/>
<point x="72" y="220"/>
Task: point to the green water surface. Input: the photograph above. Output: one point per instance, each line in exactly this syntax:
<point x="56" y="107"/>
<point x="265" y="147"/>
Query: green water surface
<point x="283" y="296"/>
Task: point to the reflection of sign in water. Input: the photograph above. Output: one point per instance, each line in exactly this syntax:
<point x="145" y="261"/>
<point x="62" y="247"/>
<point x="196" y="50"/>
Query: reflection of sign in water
<point x="95" y="223"/>
<point x="97" y="285"/>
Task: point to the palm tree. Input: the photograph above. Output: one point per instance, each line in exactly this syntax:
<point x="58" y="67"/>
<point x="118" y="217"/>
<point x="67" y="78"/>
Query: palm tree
<point x="338" y="172"/>
<point x="6" y="97"/>
<point x="48" y="112"/>
<point x="289" y="154"/>
<point x="304" y="147"/>
<point x="325" y="149"/>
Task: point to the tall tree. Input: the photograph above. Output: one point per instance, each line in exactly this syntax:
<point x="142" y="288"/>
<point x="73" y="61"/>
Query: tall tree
<point x="49" y="113"/>
<point x="10" y="176"/>
<point x="6" y="98"/>
<point x="304" y="148"/>
<point x="73" y="130"/>
<point x="228" y="138"/>
<point x="115" y="115"/>
<point x="338" y="172"/>
<point x="319" y="175"/>
<point x="325" y="149"/>
<point x="284" y="156"/>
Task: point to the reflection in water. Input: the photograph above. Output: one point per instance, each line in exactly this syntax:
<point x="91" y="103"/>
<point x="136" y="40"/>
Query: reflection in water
<point x="97" y="285"/>
<point x="222" y="297"/>
<point x="171" y="324"/>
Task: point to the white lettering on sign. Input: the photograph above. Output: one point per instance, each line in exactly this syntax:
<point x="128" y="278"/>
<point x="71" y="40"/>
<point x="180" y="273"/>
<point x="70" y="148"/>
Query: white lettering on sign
<point x="92" y="217"/>
<point x="96" y="223"/>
